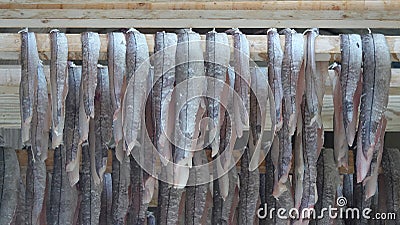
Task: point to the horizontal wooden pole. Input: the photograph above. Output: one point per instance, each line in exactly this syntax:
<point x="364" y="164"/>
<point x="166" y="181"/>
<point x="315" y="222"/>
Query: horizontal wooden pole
<point x="201" y="14"/>
<point x="327" y="48"/>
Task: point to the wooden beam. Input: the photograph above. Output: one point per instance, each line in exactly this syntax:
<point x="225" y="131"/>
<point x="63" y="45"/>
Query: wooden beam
<point x="327" y="48"/>
<point x="204" y="14"/>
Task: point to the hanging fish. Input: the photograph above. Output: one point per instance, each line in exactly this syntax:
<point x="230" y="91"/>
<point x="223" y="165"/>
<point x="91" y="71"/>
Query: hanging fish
<point x="323" y="72"/>
<point x="29" y="61"/>
<point x="72" y="125"/>
<point x="374" y="100"/>
<point x="9" y="184"/>
<point x="58" y="84"/>
<point x="310" y="143"/>
<point x="340" y="142"/>
<point x="137" y="76"/>
<point x="371" y="180"/>
<point x="37" y="153"/>
<point x="196" y="195"/>
<point x="90" y="56"/>
<point x="242" y="81"/>
<point x="391" y="170"/>
<point x="120" y="182"/>
<point x="350" y="81"/>
<point x="311" y="76"/>
<point x="275" y="55"/>
<point x="260" y="97"/>
<point x="189" y="74"/>
<point x="216" y="62"/>
<point x="164" y="79"/>
<point x="63" y="196"/>
<point x="106" y="199"/>
<point x="116" y="51"/>
<point x="298" y="166"/>
<point x="292" y="85"/>
<point x="328" y="181"/>
<point x="103" y="122"/>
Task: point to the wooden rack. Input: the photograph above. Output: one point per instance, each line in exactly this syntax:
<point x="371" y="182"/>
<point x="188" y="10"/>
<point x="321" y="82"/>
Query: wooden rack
<point x="200" y="14"/>
<point x="327" y="49"/>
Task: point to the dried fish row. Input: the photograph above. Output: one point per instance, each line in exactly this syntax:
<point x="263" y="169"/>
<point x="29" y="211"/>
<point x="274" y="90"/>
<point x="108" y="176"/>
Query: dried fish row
<point x="374" y="100"/>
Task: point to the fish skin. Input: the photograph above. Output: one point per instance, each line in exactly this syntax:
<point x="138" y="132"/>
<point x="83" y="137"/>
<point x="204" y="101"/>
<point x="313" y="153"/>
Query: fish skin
<point x="391" y="171"/>
<point x="350" y="80"/>
<point x="121" y="182"/>
<point x="311" y="75"/>
<point x="116" y="51"/>
<point x="137" y="75"/>
<point x="291" y="66"/>
<point x="35" y="189"/>
<point x="298" y="163"/>
<point x="190" y="70"/>
<point x="249" y="191"/>
<point x="9" y="187"/>
<point x="90" y="57"/>
<point x="63" y="196"/>
<point x="323" y="72"/>
<point x="310" y="157"/>
<point x="340" y="142"/>
<point x="275" y="56"/>
<point x="242" y="81"/>
<point x="29" y="61"/>
<point x="106" y="201"/>
<point x="259" y="99"/>
<point x="40" y="124"/>
<point x="196" y="195"/>
<point x="58" y="84"/>
<point x="328" y="180"/>
<point x="217" y="58"/>
<point x="71" y="126"/>
<point x="371" y="180"/>
<point x="89" y="209"/>
<point x="374" y="100"/>
<point x="164" y="79"/>
<point x="103" y="122"/>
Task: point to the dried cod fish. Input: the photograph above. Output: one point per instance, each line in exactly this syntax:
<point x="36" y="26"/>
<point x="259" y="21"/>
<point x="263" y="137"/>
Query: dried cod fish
<point x="216" y="62"/>
<point x="37" y="153"/>
<point x="291" y="66"/>
<point x="90" y="56"/>
<point x="29" y="70"/>
<point x="137" y="75"/>
<point x="328" y="180"/>
<point x="196" y="195"/>
<point x="72" y="124"/>
<point x="189" y="74"/>
<point x="371" y="180"/>
<point x="391" y="170"/>
<point x="103" y="122"/>
<point x="350" y="81"/>
<point x="242" y="81"/>
<point x="9" y="184"/>
<point x="340" y="142"/>
<point x="106" y="199"/>
<point x="120" y="187"/>
<point x="310" y="142"/>
<point x="89" y="209"/>
<point x="374" y="100"/>
<point x="116" y="51"/>
<point x="58" y="84"/>
<point x="164" y="79"/>
<point x="63" y="196"/>
<point x="275" y="55"/>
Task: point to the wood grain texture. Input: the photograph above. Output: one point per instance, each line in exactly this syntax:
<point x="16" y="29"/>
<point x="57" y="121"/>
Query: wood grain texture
<point x="195" y="13"/>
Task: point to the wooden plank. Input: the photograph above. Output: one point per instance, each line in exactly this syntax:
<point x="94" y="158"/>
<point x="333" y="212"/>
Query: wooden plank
<point x="327" y="47"/>
<point x="201" y="14"/>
